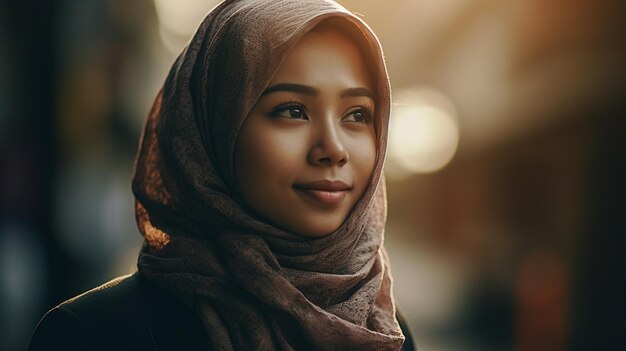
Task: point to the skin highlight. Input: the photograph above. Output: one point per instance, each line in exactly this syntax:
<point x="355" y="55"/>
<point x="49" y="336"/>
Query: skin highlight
<point x="307" y="150"/>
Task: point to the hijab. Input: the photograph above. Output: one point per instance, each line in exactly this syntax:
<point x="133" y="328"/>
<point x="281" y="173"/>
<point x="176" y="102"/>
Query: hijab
<point x="252" y="284"/>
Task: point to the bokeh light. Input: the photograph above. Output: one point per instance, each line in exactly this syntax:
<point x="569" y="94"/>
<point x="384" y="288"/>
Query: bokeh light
<point x="423" y="134"/>
<point x="179" y="19"/>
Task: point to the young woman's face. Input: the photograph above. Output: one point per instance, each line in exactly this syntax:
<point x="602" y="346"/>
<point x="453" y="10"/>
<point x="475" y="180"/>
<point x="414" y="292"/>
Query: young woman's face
<point x="307" y="150"/>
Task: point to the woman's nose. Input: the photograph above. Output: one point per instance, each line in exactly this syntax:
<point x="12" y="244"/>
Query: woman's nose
<point x="328" y="148"/>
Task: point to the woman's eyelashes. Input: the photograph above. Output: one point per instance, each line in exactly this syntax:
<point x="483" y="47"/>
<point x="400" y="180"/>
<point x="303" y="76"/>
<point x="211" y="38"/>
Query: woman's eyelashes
<point x="359" y="115"/>
<point x="296" y="110"/>
<point x="292" y="110"/>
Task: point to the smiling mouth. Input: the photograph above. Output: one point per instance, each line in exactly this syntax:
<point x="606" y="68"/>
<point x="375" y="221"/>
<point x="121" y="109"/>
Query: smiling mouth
<point x="325" y="191"/>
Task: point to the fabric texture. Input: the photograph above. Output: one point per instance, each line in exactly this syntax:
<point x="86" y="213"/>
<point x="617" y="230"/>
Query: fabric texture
<point x="254" y="285"/>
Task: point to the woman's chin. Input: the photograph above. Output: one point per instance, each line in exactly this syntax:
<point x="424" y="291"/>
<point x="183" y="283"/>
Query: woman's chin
<point x="317" y="227"/>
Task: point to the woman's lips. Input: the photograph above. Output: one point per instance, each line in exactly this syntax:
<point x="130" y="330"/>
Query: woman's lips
<point x="326" y="197"/>
<point x="330" y="192"/>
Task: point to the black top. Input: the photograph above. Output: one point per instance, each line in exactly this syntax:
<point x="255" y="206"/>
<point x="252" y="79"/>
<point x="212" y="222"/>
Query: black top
<point x="128" y="313"/>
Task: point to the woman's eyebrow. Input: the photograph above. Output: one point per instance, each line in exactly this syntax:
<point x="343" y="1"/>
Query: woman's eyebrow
<point x="296" y="88"/>
<point x="356" y="92"/>
<point x="309" y="90"/>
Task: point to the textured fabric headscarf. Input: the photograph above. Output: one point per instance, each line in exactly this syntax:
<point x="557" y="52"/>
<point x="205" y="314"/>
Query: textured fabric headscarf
<point x="256" y="286"/>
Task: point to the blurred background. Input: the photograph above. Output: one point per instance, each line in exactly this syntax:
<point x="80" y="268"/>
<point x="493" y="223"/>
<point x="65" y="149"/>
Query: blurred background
<point x="505" y="172"/>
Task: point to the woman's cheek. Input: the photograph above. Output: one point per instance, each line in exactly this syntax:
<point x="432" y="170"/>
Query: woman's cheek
<point x="362" y="151"/>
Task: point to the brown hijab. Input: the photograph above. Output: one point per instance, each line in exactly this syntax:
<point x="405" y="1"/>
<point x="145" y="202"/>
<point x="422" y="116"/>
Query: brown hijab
<point x="254" y="285"/>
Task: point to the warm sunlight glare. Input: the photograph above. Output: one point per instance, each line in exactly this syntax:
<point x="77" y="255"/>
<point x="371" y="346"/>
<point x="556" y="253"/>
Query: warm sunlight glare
<point x="424" y="133"/>
<point x="178" y="20"/>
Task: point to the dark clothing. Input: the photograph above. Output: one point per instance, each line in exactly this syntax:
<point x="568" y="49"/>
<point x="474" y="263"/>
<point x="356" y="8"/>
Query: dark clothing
<point x="127" y="313"/>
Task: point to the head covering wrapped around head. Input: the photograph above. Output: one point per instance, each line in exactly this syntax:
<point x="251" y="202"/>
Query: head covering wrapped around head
<point x="254" y="285"/>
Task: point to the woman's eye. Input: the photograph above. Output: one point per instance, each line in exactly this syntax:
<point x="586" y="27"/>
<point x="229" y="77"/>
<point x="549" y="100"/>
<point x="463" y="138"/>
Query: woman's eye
<point x="360" y="116"/>
<point x="289" y="111"/>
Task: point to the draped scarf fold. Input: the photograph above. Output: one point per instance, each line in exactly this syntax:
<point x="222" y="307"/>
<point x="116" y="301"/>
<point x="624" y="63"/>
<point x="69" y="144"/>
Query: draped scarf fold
<point x="254" y="285"/>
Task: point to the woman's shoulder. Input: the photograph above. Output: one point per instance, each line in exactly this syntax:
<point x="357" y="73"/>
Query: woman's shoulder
<point x="125" y="313"/>
<point x="113" y="300"/>
<point x="89" y="320"/>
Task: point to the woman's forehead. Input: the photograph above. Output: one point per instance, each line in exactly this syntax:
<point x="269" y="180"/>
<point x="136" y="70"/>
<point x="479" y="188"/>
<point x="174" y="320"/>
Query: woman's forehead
<point x="324" y="58"/>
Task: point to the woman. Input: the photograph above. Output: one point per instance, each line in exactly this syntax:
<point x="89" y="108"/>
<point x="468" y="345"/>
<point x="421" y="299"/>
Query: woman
<point x="259" y="192"/>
